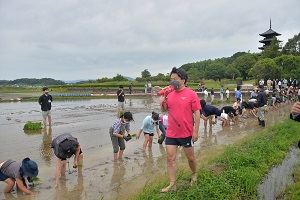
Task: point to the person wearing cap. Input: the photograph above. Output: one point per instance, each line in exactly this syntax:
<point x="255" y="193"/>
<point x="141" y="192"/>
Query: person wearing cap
<point x="117" y="130"/>
<point x="261" y="102"/>
<point x="149" y="123"/>
<point x="183" y="108"/>
<point x="64" y="147"/>
<point x="45" y="101"/>
<point x="12" y="171"/>
<point x="121" y="99"/>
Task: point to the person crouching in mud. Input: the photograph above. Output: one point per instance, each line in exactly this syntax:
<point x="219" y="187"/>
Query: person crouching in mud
<point x="116" y="132"/>
<point x="12" y="171"/>
<point x="65" y="146"/>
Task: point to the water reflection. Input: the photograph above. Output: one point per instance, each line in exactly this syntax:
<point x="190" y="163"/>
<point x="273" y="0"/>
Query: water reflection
<point x="45" y="149"/>
<point x="33" y="132"/>
<point x="63" y="192"/>
<point x="148" y="160"/>
<point x="209" y="138"/>
<point x="118" y="175"/>
<point x="162" y="157"/>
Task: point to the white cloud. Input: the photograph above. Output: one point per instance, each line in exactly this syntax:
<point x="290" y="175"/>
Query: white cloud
<point x="74" y="39"/>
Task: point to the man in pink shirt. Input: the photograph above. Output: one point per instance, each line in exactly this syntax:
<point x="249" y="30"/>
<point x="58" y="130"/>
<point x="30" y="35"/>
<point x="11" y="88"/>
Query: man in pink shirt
<point x="183" y="108"/>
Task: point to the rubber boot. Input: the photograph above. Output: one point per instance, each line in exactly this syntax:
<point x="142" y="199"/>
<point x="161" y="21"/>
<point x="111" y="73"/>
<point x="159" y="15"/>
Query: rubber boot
<point x="263" y="123"/>
<point x="259" y="122"/>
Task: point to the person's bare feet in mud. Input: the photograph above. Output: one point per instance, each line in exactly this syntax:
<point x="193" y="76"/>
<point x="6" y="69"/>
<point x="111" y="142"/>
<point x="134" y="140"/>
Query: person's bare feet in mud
<point x="193" y="179"/>
<point x="171" y="187"/>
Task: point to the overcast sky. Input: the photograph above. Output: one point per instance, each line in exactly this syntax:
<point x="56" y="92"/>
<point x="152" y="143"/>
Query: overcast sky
<point x="90" y="39"/>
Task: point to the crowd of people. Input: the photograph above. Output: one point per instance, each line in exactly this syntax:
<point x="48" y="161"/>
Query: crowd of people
<point x="260" y="101"/>
<point x="179" y="127"/>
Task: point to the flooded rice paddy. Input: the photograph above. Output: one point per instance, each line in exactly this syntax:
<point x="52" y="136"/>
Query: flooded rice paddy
<point x="89" y="121"/>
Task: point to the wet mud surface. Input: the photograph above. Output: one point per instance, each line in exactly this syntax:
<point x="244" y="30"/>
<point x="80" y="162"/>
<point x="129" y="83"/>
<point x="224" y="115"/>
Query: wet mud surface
<point x="89" y="121"/>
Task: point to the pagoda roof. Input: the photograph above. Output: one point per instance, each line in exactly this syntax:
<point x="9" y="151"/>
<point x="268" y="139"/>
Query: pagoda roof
<point x="265" y="40"/>
<point x="269" y="32"/>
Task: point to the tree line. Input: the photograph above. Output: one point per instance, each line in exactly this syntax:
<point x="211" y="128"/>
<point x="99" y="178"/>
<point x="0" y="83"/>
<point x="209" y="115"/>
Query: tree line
<point x="32" y="82"/>
<point x="274" y="62"/>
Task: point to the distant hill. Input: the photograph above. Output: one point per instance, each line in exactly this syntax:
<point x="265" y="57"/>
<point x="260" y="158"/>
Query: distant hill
<point x="32" y="82"/>
<point x="91" y="80"/>
<point x="75" y="81"/>
<point x="129" y="78"/>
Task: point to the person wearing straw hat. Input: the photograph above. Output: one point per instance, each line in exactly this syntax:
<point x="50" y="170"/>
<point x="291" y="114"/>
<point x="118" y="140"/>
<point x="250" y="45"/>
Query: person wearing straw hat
<point x="65" y="146"/>
<point x="12" y="171"/>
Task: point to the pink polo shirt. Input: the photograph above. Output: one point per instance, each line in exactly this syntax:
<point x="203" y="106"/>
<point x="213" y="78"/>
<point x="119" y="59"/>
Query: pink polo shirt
<point x="182" y="105"/>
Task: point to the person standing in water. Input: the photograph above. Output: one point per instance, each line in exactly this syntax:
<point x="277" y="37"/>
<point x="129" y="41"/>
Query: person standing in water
<point x="45" y="101"/>
<point x="117" y="136"/>
<point x="149" y="124"/>
<point x="121" y="99"/>
<point x="183" y="108"/>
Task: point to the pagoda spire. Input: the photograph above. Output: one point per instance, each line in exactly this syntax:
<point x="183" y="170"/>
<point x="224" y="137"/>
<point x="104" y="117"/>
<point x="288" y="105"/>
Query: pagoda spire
<point x="268" y="36"/>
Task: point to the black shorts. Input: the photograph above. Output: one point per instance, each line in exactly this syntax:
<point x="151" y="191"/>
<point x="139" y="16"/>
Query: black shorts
<point x="185" y="142"/>
<point x="3" y="177"/>
<point x="66" y="159"/>
<point x="150" y="134"/>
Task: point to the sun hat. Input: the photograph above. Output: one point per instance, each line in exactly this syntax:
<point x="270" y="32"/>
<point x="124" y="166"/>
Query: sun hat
<point x="29" y="167"/>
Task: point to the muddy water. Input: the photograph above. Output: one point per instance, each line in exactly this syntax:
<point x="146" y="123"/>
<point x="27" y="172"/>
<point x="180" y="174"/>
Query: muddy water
<point x="88" y="120"/>
<point x="280" y="176"/>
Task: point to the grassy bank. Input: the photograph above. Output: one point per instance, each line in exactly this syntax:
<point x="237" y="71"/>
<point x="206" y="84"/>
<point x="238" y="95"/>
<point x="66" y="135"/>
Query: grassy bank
<point x="236" y="173"/>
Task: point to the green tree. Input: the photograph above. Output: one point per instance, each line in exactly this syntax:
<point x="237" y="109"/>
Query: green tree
<point x="103" y="80"/>
<point x="292" y="46"/>
<point x="215" y="71"/>
<point x="146" y="74"/>
<point x="244" y="63"/>
<point x="119" y="77"/>
<point x="193" y="74"/>
<point x="139" y="79"/>
<point x="272" y="51"/>
<point x="265" y="68"/>
<point x="289" y="65"/>
<point x="231" y="72"/>
<point x="158" y="77"/>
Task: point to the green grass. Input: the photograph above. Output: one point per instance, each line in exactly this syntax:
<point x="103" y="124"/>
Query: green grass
<point x="236" y="173"/>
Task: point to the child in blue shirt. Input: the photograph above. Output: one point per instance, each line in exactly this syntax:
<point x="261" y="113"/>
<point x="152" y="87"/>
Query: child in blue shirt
<point x="149" y="123"/>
